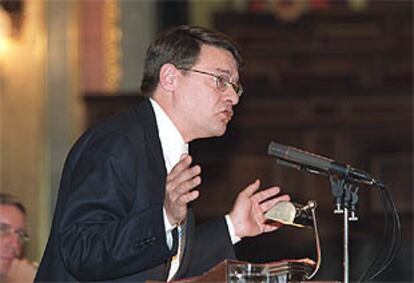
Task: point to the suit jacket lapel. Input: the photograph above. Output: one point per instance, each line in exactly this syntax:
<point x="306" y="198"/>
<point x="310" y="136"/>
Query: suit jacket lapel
<point x="155" y="160"/>
<point x="153" y="143"/>
<point x="154" y="148"/>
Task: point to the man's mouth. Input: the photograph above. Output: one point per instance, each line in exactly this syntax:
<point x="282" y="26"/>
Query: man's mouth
<point x="228" y="114"/>
<point x="7" y="255"/>
<point x="7" y="258"/>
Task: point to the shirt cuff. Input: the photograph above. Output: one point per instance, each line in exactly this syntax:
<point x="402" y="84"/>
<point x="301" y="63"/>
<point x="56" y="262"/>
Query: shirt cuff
<point x="233" y="237"/>
<point x="168" y="229"/>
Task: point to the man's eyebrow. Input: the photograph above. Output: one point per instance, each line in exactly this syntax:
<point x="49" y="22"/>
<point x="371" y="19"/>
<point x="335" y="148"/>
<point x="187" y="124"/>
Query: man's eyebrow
<point x="227" y="72"/>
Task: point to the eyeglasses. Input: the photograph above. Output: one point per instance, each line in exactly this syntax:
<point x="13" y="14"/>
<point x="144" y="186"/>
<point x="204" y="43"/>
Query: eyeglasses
<point x="222" y="81"/>
<point x="7" y="230"/>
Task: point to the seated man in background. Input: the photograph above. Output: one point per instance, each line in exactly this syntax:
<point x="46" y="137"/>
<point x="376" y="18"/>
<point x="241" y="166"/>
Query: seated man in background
<point x="13" y="235"/>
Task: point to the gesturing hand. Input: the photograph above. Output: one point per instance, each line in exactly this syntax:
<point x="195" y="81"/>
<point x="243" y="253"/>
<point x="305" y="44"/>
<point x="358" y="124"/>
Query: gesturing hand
<point x="179" y="189"/>
<point x="248" y="211"/>
<point x="22" y="271"/>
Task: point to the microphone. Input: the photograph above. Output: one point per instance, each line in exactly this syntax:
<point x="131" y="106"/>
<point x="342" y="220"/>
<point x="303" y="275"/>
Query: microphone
<point x="302" y="160"/>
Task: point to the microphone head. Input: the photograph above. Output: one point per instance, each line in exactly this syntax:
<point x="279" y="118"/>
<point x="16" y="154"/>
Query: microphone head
<point x="277" y="149"/>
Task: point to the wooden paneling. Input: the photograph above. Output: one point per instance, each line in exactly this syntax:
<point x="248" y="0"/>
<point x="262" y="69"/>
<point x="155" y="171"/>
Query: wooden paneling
<point x="325" y="51"/>
<point x="104" y="105"/>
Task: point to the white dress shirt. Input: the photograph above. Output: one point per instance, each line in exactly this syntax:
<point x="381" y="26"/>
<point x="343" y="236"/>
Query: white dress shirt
<point x="173" y="146"/>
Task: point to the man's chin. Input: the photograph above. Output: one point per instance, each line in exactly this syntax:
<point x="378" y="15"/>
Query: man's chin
<point x="214" y="132"/>
<point x="221" y="131"/>
<point x="4" y="266"/>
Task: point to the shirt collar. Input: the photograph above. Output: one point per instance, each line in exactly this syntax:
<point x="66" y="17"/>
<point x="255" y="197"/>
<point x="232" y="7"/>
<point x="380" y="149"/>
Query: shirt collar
<point x="172" y="142"/>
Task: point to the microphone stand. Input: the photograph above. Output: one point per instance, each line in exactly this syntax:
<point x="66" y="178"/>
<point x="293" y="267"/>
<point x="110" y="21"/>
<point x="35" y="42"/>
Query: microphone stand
<point x="346" y="200"/>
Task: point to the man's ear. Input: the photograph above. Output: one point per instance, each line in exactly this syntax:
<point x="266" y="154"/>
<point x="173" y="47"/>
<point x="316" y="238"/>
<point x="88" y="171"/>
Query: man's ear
<point x="168" y="77"/>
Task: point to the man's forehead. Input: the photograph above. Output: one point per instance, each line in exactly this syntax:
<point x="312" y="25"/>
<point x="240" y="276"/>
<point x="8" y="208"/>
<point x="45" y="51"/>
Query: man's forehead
<point x="212" y="53"/>
<point x="10" y="214"/>
<point x="217" y="59"/>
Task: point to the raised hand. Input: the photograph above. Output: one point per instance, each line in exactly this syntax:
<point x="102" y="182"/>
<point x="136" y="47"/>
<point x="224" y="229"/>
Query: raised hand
<point x="248" y="211"/>
<point x="22" y="271"/>
<point x="179" y="189"/>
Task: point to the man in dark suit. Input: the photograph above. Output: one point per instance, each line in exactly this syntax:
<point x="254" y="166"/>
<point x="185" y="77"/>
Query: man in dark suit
<point x="123" y="200"/>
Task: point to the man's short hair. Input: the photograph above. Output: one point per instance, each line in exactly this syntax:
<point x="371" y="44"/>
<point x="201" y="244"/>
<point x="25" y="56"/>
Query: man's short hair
<point x="181" y="47"/>
<point x="8" y="199"/>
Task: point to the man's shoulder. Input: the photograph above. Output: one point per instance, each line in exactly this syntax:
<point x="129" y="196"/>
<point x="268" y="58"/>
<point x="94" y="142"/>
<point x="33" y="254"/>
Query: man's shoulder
<point x="133" y="124"/>
<point x="134" y="120"/>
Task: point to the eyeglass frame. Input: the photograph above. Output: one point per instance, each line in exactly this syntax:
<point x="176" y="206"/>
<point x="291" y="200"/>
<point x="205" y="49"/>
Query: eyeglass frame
<point x="238" y="89"/>
<point x="7" y="230"/>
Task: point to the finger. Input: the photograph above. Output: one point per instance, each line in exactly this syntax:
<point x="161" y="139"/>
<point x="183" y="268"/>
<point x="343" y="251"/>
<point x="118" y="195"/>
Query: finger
<point x="250" y="189"/>
<point x="189" y="197"/>
<point x="173" y="192"/>
<point x="182" y="177"/>
<point x="187" y="174"/>
<point x="265" y="206"/>
<point x="260" y="218"/>
<point x="181" y="165"/>
<point x="187" y="186"/>
<point x="183" y="181"/>
<point x="270" y="228"/>
<point x="265" y="194"/>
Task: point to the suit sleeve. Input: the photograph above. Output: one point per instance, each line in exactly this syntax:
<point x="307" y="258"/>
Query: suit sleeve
<point x="212" y="245"/>
<point x="100" y="236"/>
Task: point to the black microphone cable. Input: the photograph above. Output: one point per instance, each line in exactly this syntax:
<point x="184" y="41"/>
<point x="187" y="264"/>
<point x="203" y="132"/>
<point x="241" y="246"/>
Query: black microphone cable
<point x="380" y="244"/>
<point x="391" y="237"/>
<point x="395" y="231"/>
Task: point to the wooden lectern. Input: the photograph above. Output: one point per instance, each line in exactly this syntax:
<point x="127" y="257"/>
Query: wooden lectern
<point x="233" y="271"/>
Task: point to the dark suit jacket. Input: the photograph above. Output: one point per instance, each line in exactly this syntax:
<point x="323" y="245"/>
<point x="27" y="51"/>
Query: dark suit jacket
<point x="108" y="223"/>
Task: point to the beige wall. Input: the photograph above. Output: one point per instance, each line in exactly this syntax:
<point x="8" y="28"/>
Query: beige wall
<point x="41" y="106"/>
<point x="22" y="140"/>
<point x="27" y="127"/>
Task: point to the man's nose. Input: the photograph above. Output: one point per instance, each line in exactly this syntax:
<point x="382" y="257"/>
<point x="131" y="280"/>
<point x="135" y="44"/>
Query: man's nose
<point x="232" y="96"/>
<point x="13" y="241"/>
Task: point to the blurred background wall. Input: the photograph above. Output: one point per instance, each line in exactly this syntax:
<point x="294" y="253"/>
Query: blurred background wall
<point x="332" y="77"/>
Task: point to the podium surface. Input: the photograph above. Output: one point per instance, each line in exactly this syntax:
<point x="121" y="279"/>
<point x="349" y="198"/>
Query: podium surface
<point x="233" y="271"/>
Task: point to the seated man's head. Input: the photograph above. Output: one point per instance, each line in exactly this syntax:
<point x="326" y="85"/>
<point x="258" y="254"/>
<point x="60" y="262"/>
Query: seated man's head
<point x="12" y="231"/>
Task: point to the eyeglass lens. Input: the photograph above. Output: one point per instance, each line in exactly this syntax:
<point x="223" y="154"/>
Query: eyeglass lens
<point x="222" y="82"/>
<point x="7" y="230"/>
